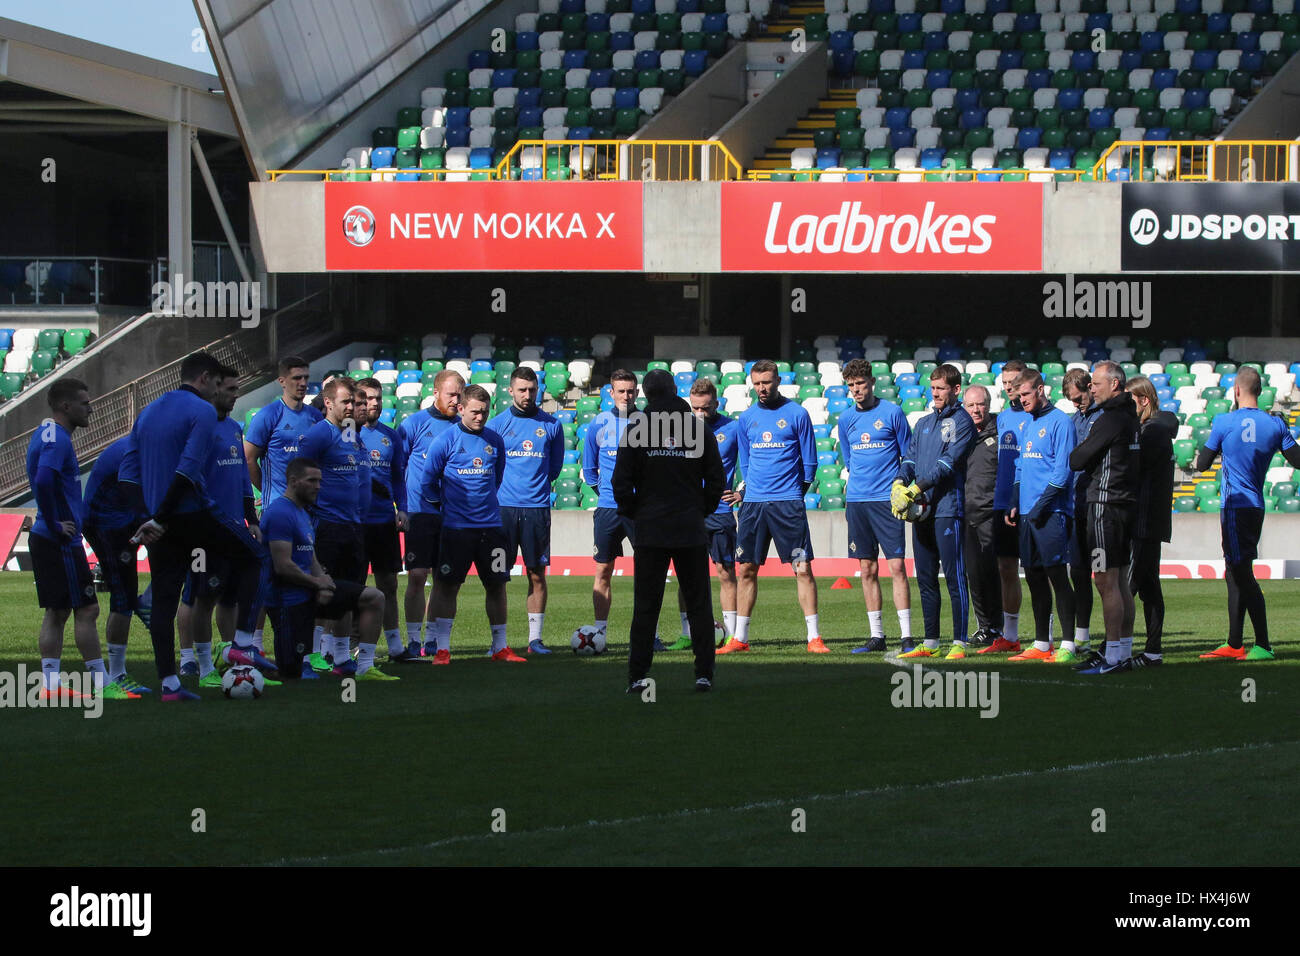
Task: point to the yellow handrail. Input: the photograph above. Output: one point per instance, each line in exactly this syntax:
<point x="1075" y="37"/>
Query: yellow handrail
<point x="927" y="175"/>
<point x="1247" y="160"/>
<point x="681" y="160"/>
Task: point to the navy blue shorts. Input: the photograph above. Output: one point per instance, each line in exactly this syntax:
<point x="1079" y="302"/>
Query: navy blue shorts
<point x="341" y="551"/>
<point x="422" y="533"/>
<point x="1240" y="529"/>
<point x="873" y="529"/>
<point x="609" y="528"/>
<point x="485" y="548"/>
<point x="762" y="523"/>
<point x="63" y="578"/>
<point x="117" y="566"/>
<point x="1048" y="546"/>
<point x="217" y="581"/>
<point x="383" y="549"/>
<point x="527" y="530"/>
<point x="721" y="529"/>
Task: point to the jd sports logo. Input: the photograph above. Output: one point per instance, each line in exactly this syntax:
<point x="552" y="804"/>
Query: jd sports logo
<point x="1144" y="227"/>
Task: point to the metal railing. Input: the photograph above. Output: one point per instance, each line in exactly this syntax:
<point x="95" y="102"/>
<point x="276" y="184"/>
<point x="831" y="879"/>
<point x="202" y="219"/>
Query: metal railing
<point x="1263" y="161"/>
<point x="952" y="174"/>
<point x="114" y="412"/>
<point x="581" y="159"/>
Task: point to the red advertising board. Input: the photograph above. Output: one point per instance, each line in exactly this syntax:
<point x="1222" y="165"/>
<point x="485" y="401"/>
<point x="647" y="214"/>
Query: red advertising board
<point x="484" y="226"/>
<point x="882" y="227"/>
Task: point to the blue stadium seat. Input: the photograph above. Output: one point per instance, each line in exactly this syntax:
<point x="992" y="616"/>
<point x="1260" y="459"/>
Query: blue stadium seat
<point x="1027" y="22"/>
<point x="932" y="158"/>
<point x="812" y="501"/>
<point x="897" y="117"/>
<point x="1097" y="21"/>
<point x="902" y="138"/>
<point x="598" y="23"/>
<point x="1010" y="59"/>
<point x="1038" y="79"/>
<point x="828" y="157"/>
<point x="695" y="62"/>
<point x="1203" y="60"/>
<point x="827" y="458"/>
<point x="914" y="59"/>
<point x="1100" y="118"/>
<point x="967" y="99"/>
<point x="715" y="23"/>
<point x="573" y="60"/>
<point x="382" y="156"/>
<point x="936" y="40"/>
<point x="835" y="391"/>
<point x="480" y="59"/>
<point x="1248" y="41"/>
<point x="526" y="40"/>
<point x="1152" y="41"/>
<point x="836" y="405"/>
<point x="621" y="40"/>
<point x="478" y="365"/>
<point x="841" y="40"/>
<point x="459" y="136"/>
<point x="529" y="98"/>
<point x="1028" y="137"/>
<point x="1195" y="99"/>
<point x="646" y="60"/>
<point x="532" y="116"/>
<point x="937" y="79"/>
<point x="409" y="375"/>
<point x="1061" y="159"/>
<point x="787" y="378"/>
<point x="503" y="78"/>
<point x="909" y="22"/>
<point x="1083" y="60"/>
<point x="600" y="78"/>
<point x="1070" y="99"/>
<point x="1163" y="79"/>
<point x="456" y="117"/>
<point x="626" y="98"/>
<point x="1130" y="60"/>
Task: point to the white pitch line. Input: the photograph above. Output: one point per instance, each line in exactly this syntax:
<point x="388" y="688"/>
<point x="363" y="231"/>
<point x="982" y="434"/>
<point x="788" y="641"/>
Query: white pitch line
<point x="771" y="804"/>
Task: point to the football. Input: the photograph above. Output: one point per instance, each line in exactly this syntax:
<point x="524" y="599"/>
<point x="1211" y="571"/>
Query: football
<point x="243" y="683"/>
<point x="719" y="633"/>
<point x="918" y="510"/>
<point x="588" y="641"/>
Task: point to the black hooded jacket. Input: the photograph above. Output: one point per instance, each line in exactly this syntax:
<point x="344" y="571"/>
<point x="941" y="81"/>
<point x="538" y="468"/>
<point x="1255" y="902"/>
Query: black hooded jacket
<point x="1156" y="483"/>
<point x="1109" y="455"/>
<point x="668" y="475"/>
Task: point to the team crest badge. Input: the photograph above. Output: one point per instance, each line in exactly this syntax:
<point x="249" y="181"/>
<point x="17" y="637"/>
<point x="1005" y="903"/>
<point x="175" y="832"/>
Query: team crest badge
<point x="946" y="429"/>
<point x="410" y="556"/>
<point x="1042" y="433"/>
<point x="780" y="423"/>
<point x="541" y="432"/>
<point x="721" y="438"/>
<point x="490" y="450"/>
<point x="740" y="552"/>
<point x="124" y="557"/>
<point x="385" y="442"/>
<point x="445" y="569"/>
<point x="853" y="547"/>
<point x="214" y="581"/>
<point x="90" y="590"/>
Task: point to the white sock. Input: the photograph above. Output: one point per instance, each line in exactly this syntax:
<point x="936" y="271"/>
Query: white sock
<point x="365" y="657"/>
<point x="1113" y="653"/>
<point x="187" y="655"/>
<point x="1042" y="645"/>
<point x="729" y="622"/>
<point x="498" y="637"/>
<point x="97" y="667"/>
<point x="1081" y="636"/>
<point x="394" y="637"/>
<point x="535" y="625"/>
<point x="442" y="632"/>
<point x="602" y="625"/>
<point x="50" y="673"/>
<point x="203" y="652"/>
<point x="1051" y="627"/>
<point x="1125" y="648"/>
<point x="116" y="661"/>
<point x="327" y="644"/>
<point x="342" y="649"/>
<point x="1011" y="628"/>
<point x="813" y="631"/>
<point x="742" y="629"/>
<point x="905" y="623"/>
<point x="257" y="640"/>
<point x="316" y="636"/>
<point x="1069" y="646"/>
<point x="877" y="628"/>
<point x="243" y="639"/>
<point x="932" y="642"/>
<point x="171" y="683"/>
<point x="413" y="635"/>
<point x="686" y="625"/>
<point x="1154" y="657"/>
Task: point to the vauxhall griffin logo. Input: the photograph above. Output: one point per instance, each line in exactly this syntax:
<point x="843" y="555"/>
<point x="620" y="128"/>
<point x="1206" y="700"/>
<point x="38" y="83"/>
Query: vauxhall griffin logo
<point x="1143" y="227"/>
<point x="359" y="225"/>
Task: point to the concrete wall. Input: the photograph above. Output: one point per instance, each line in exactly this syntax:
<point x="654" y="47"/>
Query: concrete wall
<point x="1196" y="536"/>
<point x="1081" y="224"/>
<point x="705" y="105"/>
<point x="750" y="131"/>
<point x="1275" y="112"/>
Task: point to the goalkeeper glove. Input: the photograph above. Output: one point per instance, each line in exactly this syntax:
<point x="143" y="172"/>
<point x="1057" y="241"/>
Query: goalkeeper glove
<point x="897" y="498"/>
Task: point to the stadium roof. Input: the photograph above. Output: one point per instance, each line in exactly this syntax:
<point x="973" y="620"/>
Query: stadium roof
<point x="51" y="82"/>
<point x="294" y="71"/>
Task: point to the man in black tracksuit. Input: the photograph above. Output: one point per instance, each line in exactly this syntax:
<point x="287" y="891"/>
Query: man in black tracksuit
<point x="1109" y="456"/>
<point x="980" y="553"/>
<point x="668" y="478"/>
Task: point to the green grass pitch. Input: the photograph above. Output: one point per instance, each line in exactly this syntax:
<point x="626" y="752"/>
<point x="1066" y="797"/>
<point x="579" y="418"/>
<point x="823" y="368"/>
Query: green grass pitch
<point x="577" y="772"/>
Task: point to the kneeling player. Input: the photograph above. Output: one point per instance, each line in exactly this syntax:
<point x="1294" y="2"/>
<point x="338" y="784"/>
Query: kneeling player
<point x="466" y="467"/>
<point x="297" y="575"/>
